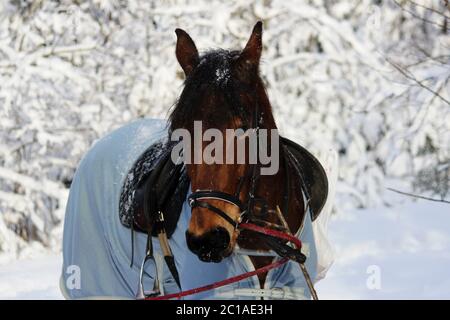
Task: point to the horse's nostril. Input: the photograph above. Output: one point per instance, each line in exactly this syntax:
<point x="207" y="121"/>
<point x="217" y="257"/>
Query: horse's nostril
<point x="219" y="238"/>
<point x="194" y="243"/>
<point x="210" y="245"/>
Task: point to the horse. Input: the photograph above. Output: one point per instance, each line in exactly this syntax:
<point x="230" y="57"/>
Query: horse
<point x="129" y="181"/>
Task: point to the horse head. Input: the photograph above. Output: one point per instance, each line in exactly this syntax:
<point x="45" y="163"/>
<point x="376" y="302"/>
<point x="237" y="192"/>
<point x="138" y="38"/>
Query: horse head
<point x="223" y="91"/>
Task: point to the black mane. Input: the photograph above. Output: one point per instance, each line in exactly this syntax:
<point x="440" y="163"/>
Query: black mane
<point x="213" y="79"/>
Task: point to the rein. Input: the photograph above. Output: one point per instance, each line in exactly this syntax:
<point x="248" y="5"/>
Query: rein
<point x="218" y="284"/>
<point x="222" y="283"/>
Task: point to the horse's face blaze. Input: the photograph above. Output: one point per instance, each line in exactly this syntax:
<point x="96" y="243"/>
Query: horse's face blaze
<point x="221" y="90"/>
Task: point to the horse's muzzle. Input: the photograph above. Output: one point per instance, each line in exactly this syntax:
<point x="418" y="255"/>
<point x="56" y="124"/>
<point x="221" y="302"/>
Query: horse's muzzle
<point x="211" y="246"/>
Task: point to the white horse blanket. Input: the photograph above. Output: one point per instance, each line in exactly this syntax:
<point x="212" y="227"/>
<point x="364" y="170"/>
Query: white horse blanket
<point x="97" y="247"/>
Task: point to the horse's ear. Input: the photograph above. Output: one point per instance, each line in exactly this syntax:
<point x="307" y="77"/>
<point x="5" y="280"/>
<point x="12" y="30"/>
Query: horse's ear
<point x="186" y="51"/>
<point x="248" y="61"/>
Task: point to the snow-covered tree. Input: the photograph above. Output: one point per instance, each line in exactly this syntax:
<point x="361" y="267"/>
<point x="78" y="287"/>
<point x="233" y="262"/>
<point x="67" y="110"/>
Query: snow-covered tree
<point x="368" y="78"/>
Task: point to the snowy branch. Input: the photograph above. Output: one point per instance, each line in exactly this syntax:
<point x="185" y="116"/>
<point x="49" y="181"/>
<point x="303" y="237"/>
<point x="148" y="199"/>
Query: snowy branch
<point x="410" y="76"/>
<point x="72" y="71"/>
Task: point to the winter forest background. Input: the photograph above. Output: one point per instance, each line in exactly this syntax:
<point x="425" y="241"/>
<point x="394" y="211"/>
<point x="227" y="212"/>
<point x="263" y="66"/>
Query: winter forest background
<point x="367" y="78"/>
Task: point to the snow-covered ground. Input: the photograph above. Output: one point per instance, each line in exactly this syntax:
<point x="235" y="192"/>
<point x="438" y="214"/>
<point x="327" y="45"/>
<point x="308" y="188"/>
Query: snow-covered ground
<point x="405" y="248"/>
<point x="35" y="278"/>
<point x="407" y="245"/>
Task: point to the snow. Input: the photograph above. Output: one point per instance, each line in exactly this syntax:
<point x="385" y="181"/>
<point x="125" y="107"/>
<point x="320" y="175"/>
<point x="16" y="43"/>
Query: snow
<point x="71" y="72"/>
<point x="409" y="244"/>
<point x="36" y="278"/>
<point x="340" y="75"/>
<point x="222" y="75"/>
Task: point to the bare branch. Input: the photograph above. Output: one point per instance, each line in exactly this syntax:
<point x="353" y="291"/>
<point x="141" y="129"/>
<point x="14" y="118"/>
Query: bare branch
<point x="418" y="196"/>
<point x="410" y="76"/>
<point x="441" y="26"/>
<point x="430" y="9"/>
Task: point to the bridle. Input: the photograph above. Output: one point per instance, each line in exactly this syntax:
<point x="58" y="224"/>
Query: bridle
<point x="199" y="198"/>
<point x="276" y="236"/>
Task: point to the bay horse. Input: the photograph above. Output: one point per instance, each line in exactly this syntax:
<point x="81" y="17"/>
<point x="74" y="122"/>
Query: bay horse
<point x="194" y="208"/>
<point x="223" y="90"/>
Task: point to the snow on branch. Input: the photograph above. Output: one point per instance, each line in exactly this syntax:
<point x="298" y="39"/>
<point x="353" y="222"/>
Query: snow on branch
<point x="48" y="187"/>
<point x="354" y="76"/>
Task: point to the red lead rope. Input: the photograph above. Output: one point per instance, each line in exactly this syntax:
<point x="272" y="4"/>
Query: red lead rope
<point x="272" y="232"/>
<point x="221" y="283"/>
<point x="276" y="264"/>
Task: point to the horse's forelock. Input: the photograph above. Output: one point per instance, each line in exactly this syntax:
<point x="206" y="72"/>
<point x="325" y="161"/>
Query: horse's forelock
<point x="213" y="78"/>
